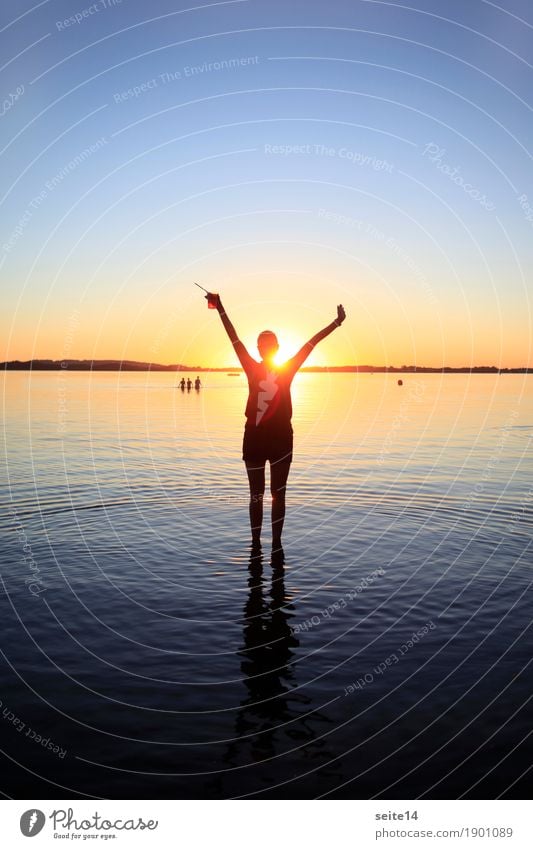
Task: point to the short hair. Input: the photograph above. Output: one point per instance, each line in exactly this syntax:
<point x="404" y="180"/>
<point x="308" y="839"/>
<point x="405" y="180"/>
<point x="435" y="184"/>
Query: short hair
<point x="267" y="333"/>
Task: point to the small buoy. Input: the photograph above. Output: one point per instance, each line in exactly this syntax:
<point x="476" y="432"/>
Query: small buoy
<point x="400" y="383"/>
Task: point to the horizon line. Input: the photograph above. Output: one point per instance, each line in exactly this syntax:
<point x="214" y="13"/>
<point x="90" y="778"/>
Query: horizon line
<point x="115" y="364"/>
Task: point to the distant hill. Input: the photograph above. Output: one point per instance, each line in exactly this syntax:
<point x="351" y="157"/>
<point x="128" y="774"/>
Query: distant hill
<point x="92" y="365"/>
<point x="134" y="365"/>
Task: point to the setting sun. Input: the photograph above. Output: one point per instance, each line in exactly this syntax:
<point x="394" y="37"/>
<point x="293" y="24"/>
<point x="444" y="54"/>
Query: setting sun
<point x="288" y="345"/>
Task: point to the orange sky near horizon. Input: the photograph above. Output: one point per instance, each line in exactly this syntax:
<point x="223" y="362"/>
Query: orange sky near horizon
<point x="167" y="328"/>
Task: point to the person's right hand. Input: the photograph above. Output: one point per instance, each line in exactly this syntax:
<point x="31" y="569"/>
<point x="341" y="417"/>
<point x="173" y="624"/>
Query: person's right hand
<point x="213" y="298"/>
<point x="341" y="315"/>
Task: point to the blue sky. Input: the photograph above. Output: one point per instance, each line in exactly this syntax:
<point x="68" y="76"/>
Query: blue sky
<point x="368" y="152"/>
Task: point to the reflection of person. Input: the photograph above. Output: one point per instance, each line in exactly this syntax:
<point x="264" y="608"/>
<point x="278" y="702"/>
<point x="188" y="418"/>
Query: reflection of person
<point x="276" y="714"/>
<point x="267" y="654"/>
<point x="279" y="719"/>
<point x="197" y="383"/>
<point x="268" y="431"/>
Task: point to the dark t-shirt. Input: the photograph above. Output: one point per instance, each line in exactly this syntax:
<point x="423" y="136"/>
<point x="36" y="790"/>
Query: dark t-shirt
<point x="269" y="389"/>
<point x="269" y="396"/>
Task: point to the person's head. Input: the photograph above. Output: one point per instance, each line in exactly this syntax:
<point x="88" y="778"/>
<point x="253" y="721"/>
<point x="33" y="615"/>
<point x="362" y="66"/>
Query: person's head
<point x="267" y="345"/>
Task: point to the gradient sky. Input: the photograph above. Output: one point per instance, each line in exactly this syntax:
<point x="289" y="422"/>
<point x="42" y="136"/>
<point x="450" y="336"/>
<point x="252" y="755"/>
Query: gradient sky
<point x="369" y="153"/>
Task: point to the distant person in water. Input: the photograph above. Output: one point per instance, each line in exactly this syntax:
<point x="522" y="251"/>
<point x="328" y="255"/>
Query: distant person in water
<point x="268" y="434"/>
<point x="182" y="384"/>
<point x="197" y="383"/>
<point x="189" y="384"/>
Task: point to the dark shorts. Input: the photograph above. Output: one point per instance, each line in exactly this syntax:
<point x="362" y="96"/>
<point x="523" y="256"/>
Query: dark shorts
<point x="262" y="444"/>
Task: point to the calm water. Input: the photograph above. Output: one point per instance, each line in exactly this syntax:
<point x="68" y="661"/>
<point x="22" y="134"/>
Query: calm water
<point x="140" y="642"/>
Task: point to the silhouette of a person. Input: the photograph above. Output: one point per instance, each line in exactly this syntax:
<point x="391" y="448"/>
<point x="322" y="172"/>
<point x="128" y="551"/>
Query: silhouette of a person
<point x="268" y="434"/>
<point x="189" y="384"/>
<point x="197" y="383"/>
<point x="182" y="384"/>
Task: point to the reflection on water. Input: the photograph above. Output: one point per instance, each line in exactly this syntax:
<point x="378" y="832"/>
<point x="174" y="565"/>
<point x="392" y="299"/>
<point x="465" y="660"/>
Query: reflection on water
<point x="267" y="660"/>
<point x="267" y="655"/>
<point x="142" y="641"/>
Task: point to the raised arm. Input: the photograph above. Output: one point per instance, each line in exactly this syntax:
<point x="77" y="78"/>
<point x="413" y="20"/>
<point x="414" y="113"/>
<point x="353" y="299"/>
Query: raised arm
<point x="245" y="359"/>
<point x="299" y="359"/>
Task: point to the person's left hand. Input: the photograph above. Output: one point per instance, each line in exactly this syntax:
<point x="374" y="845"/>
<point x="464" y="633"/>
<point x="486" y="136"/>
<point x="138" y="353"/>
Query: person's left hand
<point x="341" y="315"/>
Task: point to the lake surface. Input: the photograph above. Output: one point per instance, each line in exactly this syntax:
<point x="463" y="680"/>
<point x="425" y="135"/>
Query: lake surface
<point x="145" y="656"/>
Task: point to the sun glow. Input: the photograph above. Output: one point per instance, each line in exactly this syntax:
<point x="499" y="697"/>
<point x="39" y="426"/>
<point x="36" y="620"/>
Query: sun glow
<point x="283" y="355"/>
<point x="288" y="346"/>
<point x="291" y="347"/>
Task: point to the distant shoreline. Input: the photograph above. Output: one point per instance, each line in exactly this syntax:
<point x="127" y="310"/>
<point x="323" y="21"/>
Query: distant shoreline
<point x="133" y="365"/>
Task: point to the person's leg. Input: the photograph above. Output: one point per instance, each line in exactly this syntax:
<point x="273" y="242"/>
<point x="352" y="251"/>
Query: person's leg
<point x="279" y="473"/>
<point x="256" y="479"/>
